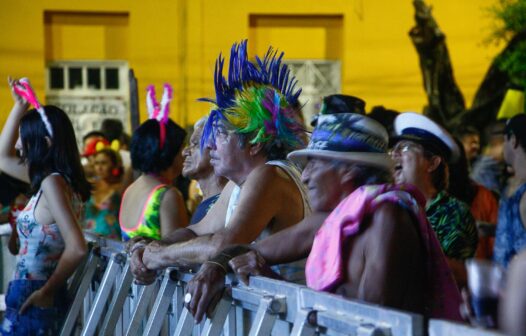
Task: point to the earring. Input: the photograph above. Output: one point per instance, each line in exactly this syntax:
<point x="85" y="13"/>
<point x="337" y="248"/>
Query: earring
<point x="115" y="172"/>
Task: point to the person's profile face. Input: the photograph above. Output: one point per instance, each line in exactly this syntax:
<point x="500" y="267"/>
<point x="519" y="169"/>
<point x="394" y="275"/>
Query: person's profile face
<point x="225" y="151"/>
<point x="409" y="160"/>
<point x="471" y="144"/>
<point x="322" y="180"/>
<point x="196" y="162"/>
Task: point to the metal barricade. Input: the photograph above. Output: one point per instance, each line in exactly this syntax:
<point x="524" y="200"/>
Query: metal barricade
<point x="266" y="307"/>
<point x="446" y="328"/>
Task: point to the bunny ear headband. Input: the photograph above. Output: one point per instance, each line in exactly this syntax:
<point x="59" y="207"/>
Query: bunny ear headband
<point x="24" y="89"/>
<point x="158" y="111"/>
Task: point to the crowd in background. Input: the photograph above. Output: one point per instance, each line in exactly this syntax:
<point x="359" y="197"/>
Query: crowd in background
<point x="261" y="196"/>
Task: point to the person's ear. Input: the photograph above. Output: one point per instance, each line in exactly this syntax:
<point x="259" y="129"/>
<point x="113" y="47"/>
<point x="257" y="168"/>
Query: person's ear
<point x="434" y="162"/>
<point x="255" y="148"/>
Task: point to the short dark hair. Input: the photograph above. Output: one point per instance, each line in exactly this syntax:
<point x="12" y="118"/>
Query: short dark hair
<point x="98" y="134"/>
<point x="517" y="126"/>
<point x="460" y="184"/>
<point x="112" y="129"/>
<point x="385" y="117"/>
<point x="440" y="176"/>
<point x="62" y="156"/>
<point x="462" y="131"/>
<point x="146" y="154"/>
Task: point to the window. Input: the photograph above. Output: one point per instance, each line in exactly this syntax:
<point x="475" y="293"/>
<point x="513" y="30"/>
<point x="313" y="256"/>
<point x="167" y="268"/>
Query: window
<point x="89" y="92"/>
<point x="75" y="78"/>
<point x="94" y="80"/>
<point x="56" y="78"/>
<point x="84" y="77"/>
<point x="112" y="78"/>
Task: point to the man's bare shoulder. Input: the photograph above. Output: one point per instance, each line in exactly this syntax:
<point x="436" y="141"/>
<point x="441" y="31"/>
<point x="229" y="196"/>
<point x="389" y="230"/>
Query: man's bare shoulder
<point x="268" y="174"/>
<point x="391" y="219"/>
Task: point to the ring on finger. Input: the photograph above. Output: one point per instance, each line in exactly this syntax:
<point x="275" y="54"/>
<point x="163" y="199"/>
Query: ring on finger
<point x="187" y="298"/>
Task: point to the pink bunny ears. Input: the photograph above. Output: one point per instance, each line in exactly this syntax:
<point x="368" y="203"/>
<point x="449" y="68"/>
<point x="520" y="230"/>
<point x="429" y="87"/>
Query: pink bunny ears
<point x="158" y="111"/>
<point x="23" y="88"/>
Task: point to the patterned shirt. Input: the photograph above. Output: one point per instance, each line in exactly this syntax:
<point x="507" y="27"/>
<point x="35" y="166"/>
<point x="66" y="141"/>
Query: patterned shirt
<point x="102" y="218"/>
<point x="510" y="238"/>
<point x="454" y="226"/>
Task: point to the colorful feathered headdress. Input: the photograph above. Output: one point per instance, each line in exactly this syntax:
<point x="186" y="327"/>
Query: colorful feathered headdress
<point x="259" y="98"/>
<point x="160" y="111"/>
<point x="23" y="88"/>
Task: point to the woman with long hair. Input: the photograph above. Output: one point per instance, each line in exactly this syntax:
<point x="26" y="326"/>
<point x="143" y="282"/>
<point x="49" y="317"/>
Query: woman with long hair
<point x="51" y="243"/>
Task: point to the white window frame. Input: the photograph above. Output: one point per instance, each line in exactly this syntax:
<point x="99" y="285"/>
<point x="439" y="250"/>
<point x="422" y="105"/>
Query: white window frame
<point x="122" y="66"/>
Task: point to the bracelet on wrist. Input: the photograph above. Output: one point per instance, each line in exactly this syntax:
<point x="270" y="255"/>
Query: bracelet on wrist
<point x="217" y="264"/>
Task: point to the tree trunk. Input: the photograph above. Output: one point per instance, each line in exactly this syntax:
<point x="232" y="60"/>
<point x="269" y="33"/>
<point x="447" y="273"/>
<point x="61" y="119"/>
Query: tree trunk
<point x="445" y="101"/>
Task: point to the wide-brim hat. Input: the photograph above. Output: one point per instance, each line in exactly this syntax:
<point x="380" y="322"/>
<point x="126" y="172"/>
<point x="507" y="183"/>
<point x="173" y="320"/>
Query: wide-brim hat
<point x="347" y="137"/>
<point x="420" y="129"/>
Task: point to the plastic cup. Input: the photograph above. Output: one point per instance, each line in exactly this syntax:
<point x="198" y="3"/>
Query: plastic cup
<point x="484" y="284"/>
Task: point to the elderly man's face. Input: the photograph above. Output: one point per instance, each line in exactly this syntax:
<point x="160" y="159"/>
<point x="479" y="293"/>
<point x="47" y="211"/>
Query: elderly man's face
<point x="322" y="179"/>
<point x="196" y="163"/>
<point x="411" y="165"/>
<point x="226" y="154"/>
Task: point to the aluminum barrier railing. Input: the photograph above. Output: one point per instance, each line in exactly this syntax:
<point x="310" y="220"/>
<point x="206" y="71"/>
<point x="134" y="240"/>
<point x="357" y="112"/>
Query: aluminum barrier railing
<point x="114" y="305"/>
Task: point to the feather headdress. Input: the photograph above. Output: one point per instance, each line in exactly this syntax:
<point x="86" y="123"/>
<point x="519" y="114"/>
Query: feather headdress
<point x="259" y="98"/>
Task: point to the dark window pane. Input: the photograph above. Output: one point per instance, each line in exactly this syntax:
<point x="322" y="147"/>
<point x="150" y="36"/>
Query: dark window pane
<point x="94" y="78"/>
<point x="56" y="78"/>
<point x="75" y="78"/>
<point x="112" y="78"/>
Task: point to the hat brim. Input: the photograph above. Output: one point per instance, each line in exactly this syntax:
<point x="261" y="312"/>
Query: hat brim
<point x="416" y="120"/>
<point x="380" y="160"/>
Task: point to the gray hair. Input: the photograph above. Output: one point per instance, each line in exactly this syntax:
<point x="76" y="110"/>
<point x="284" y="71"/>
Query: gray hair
<point x="201" y="122"/>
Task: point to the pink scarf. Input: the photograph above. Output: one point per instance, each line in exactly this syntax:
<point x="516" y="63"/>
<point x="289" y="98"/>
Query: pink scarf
<point x="325" y="269"/>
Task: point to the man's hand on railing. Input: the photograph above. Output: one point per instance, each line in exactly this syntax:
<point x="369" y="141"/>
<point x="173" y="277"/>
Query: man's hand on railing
<point x="251" y="263"/>
<point x="152" y="255"/>
<point x="142" y="275"/>
<point x="205" y="289"/>
<point x="136" y="242"/>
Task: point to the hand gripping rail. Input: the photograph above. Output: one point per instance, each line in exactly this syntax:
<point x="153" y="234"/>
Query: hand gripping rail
<point x="265" y="307"/>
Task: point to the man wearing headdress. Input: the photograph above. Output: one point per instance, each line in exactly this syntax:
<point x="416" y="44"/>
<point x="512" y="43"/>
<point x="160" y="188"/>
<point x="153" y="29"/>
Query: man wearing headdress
<point x="367" y="239"/>
<point x="253" y="126"/>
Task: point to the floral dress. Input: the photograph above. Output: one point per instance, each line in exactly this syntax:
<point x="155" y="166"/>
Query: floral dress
<point x="41" y="247"/>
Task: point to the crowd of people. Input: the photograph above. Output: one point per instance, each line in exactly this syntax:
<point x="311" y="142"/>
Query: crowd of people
<point x="383" y="207"/>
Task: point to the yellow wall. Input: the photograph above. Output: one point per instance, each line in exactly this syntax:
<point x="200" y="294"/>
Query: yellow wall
<point x="178" y="41"/>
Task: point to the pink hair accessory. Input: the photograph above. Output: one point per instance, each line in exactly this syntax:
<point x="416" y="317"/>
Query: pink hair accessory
<point x="158" y="111"/>
<point x="23" y="88"/>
